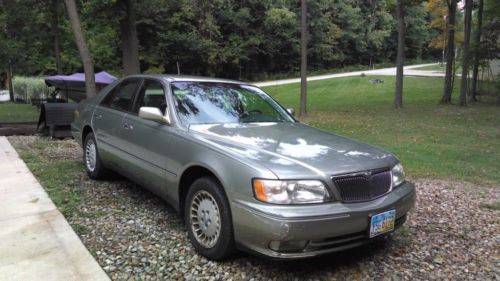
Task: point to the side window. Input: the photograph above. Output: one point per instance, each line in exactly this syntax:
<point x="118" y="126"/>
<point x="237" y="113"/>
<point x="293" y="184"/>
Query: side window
<point x="151" y="95"/>
<point x="122" y="96"/>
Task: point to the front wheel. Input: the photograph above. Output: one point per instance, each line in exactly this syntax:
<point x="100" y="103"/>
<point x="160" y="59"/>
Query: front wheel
<point x="208" y="219"/>
<point x="91" y="159"/>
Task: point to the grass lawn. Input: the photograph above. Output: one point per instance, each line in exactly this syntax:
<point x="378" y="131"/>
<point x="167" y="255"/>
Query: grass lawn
<point x="431" y="140"/>
<point x="17" y="112"/>
<point x="59" y="177"/>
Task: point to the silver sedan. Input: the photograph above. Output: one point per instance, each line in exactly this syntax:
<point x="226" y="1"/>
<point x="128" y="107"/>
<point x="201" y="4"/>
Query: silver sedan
<point x="239" y="169"/>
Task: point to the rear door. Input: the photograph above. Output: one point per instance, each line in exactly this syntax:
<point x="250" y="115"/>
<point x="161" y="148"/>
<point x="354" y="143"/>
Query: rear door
<point x="148" y="141"/>
<point x="107" y="122"/>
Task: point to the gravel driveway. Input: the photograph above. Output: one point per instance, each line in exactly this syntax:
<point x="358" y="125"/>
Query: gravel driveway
<point x="453" y="233"/>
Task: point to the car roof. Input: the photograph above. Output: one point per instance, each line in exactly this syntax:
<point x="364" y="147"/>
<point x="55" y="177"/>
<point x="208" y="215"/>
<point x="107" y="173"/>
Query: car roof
<point x="174" y="78"/>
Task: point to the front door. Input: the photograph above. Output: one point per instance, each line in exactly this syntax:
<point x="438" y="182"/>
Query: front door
<point x="148" y="141"/>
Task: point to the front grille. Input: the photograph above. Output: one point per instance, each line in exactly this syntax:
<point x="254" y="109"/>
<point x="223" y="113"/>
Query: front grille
<point x="363" y="187"/>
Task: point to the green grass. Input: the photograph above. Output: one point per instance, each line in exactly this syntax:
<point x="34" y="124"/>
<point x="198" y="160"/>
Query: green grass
<point x="17" y="112"/>
<point x="431" y="140"/>
<point x="493" y="206"/>
<point x="59" y="177"/>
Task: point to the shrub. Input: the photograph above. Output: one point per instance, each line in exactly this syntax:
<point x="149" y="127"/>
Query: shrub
<point x="27" y="88"/>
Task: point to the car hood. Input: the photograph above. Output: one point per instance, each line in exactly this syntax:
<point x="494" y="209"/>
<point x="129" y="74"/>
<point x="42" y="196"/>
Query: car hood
<point x="294" y="150"/>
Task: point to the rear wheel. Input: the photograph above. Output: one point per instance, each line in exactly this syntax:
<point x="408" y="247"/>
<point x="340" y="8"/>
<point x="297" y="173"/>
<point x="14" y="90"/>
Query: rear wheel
<point x="208" y="219"/>
<point x="93" y="164"/>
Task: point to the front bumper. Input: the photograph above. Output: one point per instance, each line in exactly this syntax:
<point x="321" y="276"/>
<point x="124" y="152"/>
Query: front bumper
<point x="290" y="232"/>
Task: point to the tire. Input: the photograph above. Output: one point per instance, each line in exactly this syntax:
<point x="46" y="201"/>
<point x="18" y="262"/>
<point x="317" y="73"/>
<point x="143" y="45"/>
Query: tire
<point x="205" y="202"/>
<point x="94" y="168"/>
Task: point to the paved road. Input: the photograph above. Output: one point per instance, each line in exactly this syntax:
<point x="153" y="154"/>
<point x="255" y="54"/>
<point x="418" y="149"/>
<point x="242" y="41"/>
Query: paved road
<point x="4" y="96"/>
<point x="408" y="71"/>
<point x="36" y="241"/>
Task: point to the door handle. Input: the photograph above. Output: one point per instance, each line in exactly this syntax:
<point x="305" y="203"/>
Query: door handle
<point x="97" y="116"/>
<point x="127" y="126"/>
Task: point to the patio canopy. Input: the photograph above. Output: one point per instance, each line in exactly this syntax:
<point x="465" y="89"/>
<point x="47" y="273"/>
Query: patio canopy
<point x="77" y="80"/>
<point x="73" y="86"/>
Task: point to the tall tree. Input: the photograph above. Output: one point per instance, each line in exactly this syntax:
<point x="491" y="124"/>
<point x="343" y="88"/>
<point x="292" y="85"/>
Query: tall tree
<point x="466" y="53"/>
<point x="130" y="43"/>
<point x="398" y="98"/>
<point x="88" y="65"/>
<point x="56" y="35"/>
<point x="450" y="51"/>
<point x="303" y="58"/>
<point x="9" y="82"/>
<point x="477" y="46"/>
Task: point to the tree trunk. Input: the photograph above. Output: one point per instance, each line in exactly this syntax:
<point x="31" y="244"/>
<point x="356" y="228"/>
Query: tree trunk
<point x="88" y="66"/>
<point x="130" y="43"/>
<point x="56" y="35"/>
<point x="398" y="98"/>
<point x="303" y="59"/>
<point x="450" y="52"/>
<point x="9" y="83"/>
<point x="477" y="43"/>
<point x="466" y="56"/>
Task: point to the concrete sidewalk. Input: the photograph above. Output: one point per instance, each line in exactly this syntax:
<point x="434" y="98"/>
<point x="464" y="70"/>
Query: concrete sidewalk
<point x="36" y="241"/>
<point x="391" y="71"/>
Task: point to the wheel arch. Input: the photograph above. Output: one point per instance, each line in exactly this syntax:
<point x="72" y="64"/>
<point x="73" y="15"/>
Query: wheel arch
<point x="86" y="130"/>
<point x="190" y="175"/>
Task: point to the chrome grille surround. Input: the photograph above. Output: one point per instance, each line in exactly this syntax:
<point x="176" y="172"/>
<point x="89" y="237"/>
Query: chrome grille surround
<point x="363" y="186"/>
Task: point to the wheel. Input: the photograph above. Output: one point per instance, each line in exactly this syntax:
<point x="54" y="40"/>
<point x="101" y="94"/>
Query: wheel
<point x="93" y="165"/>
<point x="208" y="218"/>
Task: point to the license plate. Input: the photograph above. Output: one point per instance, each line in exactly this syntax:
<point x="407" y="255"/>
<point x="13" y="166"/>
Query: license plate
<point x="382" y="223"/>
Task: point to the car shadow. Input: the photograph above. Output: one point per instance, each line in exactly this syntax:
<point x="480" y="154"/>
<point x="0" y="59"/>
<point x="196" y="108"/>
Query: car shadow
<point x="347" y="258"/>
<point x="330" y="262"/>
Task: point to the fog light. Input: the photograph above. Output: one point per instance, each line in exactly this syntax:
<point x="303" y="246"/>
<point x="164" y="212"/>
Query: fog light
<point x="288" y="246"/>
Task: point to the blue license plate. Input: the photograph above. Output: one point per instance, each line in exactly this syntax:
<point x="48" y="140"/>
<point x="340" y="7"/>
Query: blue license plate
<point x="382" y="223"/>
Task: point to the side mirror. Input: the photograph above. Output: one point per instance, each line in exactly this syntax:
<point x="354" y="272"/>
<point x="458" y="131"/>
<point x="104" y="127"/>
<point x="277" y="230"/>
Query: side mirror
<point x="153" y="114"/>
<point x="291" y="111"/>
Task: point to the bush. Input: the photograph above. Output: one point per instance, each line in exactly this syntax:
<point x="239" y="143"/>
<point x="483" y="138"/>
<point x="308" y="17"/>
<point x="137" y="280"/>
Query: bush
<point x="27" y="88"/>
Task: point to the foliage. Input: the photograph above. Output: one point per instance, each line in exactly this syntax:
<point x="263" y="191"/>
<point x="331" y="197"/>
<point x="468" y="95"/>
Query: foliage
<point x="28" y="88"/>
<point x="490" y="41"/>
<point x="416" y="31"/>
<point x="233" y="39"/>
<point x="438" y="11"/>
<point x="428" y="138"/>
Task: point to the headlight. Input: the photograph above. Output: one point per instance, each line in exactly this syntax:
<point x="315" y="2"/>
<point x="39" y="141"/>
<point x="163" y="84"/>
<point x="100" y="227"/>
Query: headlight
<point x="398" y="175"/>
<point x="290" y="192"/>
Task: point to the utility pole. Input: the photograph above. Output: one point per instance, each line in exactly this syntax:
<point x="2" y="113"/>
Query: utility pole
<point x="466" y="57"/>
<point x="303" y="59"/>
<point x="445" y="30"/>
<point x="398" y="97"/>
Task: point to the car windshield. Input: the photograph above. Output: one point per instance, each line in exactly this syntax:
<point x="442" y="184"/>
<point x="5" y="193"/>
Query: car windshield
<point x="215" y="102"/>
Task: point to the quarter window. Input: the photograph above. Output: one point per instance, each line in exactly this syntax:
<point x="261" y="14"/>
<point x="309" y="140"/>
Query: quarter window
<point x="151" y="95"/>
